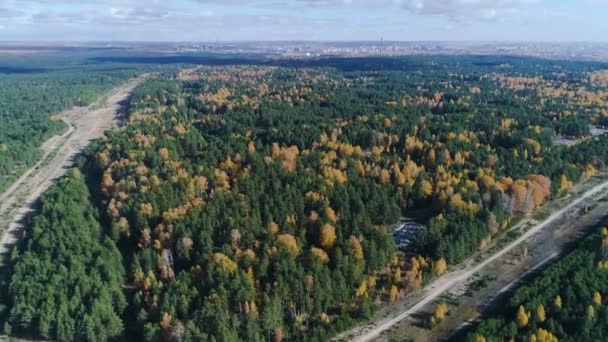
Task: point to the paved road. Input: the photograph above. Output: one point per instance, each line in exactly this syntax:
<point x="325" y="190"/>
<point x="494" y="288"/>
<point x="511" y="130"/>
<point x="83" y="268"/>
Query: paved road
<point x="85" y="124"/>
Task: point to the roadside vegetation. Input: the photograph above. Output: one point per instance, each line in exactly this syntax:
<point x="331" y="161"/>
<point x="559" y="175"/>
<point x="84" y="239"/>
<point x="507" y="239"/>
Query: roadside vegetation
<point x="565" y="302"/>
<point x="32" y="90"/>
<point x="250" y="202"/>
<point x="66" y="285"/>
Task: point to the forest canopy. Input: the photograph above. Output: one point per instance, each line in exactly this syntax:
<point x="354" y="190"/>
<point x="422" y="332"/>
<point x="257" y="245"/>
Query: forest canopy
<point x="254" y="202"/>
<point x="32" y="91"/>
<point x="565" y="302"/>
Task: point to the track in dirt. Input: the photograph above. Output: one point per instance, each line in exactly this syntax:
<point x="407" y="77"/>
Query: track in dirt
<point x="84" y="125"/>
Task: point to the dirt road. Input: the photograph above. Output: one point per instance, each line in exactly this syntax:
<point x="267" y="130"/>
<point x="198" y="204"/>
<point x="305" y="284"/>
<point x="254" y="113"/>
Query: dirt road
<point x="459" y="276"/>
<point x="85" y="124"/>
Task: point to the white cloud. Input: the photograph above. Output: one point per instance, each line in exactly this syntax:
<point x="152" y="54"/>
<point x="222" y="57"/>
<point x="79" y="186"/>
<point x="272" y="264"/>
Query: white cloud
<point x="208" y="20"/>
<point x="464" y="9"/>
<point x="457" y="10"/>
<point x="9" y="12"/>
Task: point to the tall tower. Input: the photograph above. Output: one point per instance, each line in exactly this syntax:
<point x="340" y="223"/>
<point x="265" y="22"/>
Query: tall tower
<point x="381" y="41"/>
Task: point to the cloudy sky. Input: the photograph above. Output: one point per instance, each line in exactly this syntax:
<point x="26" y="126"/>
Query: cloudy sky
<point x="229" y="20"/>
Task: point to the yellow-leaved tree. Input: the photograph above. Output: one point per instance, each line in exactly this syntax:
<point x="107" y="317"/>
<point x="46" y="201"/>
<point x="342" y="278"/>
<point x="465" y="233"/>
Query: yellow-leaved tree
<point x="328" y="236"/>
<point x="288" y="242"/>
<point x="440" y="267"/>
<point x="441" y="311"/>
<point x="321" y="254"/>
<point x="394" y="295"/>
<point x="480" y="338"/>
<point x="564" y="184"/>
<point x="542" y="335"/>
<point x="331" y="215"/>
<point x="165" y="322"/>
<point x="590" y="313"/>
<point x="540" y="313"/>
<point x="522" y="317"/>
<point x="597" y="298"/>
<point x="355" y="244"/>
<point x="557" y="302"/>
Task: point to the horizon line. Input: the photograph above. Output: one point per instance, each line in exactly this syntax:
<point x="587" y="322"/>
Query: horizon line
<point x="5" y="41"/>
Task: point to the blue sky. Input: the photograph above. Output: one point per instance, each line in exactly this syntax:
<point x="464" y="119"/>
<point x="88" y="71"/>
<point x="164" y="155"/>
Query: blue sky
<point x="230" y="20"/>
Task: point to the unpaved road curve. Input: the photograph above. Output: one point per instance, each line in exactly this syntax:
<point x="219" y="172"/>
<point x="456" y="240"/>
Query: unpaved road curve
<point x="370" y="331"/>
<point x="85" y="124"/>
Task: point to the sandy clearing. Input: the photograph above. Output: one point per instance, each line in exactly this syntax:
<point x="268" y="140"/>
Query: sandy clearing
<point x="85" y="124"/>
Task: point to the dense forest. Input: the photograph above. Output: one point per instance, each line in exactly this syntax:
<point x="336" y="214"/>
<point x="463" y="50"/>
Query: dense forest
<point x="69" y="275"/>
<point x="565" y="302"/>
<point x="32" y="90"/>
<point x="253" y="202"/>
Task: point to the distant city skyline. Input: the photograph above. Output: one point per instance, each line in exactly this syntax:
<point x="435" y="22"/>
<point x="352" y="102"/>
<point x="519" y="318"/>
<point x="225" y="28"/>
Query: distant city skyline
<point x="307" y="20"/>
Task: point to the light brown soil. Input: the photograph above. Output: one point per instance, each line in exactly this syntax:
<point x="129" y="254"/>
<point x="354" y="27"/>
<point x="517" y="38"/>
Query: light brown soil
<point x="84" y="125"/>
